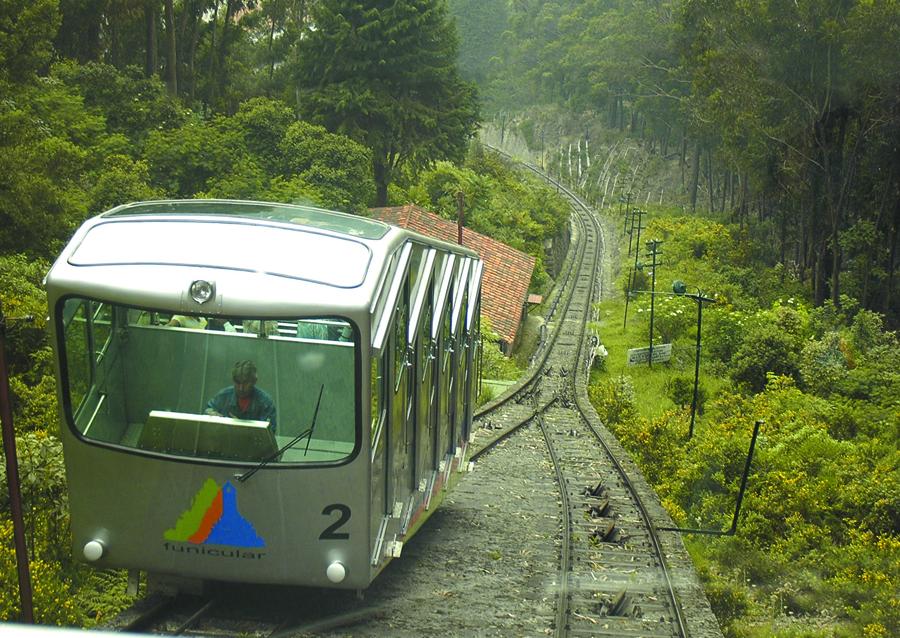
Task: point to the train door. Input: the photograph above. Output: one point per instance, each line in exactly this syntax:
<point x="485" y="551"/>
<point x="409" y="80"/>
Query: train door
<point x="425" y="392"/>
<point x="419" y="349"/>
<point x="442" y="373"/>
<point x="378" y="458"/>
<point x="399" y="434"/>
<point x="462" y="384"/>
<point x="408" y="312"/>
<point x="457" y="354"/>
<point x="389" y="393"/>
<point x="472" y="314"/>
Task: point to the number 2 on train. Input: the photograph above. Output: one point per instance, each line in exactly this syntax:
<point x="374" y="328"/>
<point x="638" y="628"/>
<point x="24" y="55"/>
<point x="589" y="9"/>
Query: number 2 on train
<point x="331" y="532"/>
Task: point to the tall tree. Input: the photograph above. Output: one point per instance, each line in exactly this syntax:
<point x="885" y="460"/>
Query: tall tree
<point x="26" y="31"/>
<point x="383" y="72"/>
<point x="171" y="49"/>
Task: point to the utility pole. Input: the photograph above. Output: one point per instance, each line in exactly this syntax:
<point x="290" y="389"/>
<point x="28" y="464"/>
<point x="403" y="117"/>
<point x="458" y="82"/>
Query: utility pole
<point x="12" y="481"/>
<point x="460" y="216"/>
<point x="679" y="288"/>
<point x="654" y="252"/>
<point x="639" y="214"/>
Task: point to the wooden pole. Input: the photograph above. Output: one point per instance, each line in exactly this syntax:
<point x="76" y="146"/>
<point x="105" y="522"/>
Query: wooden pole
<point x="12" y="480"/>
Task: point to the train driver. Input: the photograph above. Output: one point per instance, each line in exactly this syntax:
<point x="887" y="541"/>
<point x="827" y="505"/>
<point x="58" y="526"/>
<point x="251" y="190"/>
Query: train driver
<point x="243" y="400"/>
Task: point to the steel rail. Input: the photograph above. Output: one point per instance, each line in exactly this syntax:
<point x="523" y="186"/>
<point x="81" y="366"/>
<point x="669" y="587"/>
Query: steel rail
<point x="583" y="411"/>
<point x="645" y="515"/>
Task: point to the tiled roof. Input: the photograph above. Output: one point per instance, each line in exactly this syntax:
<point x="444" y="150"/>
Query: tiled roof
<point x="507" y="271"/>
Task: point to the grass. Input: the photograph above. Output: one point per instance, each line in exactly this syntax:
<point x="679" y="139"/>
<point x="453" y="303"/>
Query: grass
<point x="650" y="383"/>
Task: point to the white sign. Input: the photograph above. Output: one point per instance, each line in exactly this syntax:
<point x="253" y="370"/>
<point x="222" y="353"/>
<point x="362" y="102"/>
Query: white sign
<point x="661" y="353"/>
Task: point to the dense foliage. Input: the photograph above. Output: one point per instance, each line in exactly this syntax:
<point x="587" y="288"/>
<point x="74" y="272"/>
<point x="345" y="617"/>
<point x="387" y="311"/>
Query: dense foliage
<point x="816" y="551"/>
<point x="384" y="73"/>
<point x="782" y="114"/>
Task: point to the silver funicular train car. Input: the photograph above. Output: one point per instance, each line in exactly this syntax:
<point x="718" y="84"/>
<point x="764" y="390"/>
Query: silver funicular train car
<point x="259" y="392"/>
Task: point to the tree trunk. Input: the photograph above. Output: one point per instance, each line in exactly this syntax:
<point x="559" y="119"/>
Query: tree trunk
<point x="213" y="57"/>
<point x="221" y="80"/>
<point x="172" y="62"/>
<point x="888" y="306"/>
<point x="382" y="179"/>
<point x="621" y="113"/>
<point x="151" y="11"/>
<point x="192" y="55"/>
<point x="782" y="252"/>
<point x="695" y="178"/>
<point x="271" y="55"/>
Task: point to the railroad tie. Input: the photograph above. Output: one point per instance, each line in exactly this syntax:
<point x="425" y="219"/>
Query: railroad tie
<point x="596" y="491"/>
<point x="605" y="533"/>
<point x="619" y="606"/>
<point x="598" y="510"/>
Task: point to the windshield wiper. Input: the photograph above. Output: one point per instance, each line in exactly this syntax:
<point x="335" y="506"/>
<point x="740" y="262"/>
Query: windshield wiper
<point x="306" y="434"/>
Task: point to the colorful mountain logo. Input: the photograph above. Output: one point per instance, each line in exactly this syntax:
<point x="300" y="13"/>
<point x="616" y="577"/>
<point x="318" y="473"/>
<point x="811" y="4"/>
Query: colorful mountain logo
<point x="214" y="520"/>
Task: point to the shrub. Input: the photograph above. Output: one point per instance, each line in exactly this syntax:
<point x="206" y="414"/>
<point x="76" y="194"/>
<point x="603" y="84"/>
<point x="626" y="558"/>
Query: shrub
<point x="614" y="400"/>
<point x="823" y="364"/>
<point x="765" y="350"/>
<point x="681" y="392"/>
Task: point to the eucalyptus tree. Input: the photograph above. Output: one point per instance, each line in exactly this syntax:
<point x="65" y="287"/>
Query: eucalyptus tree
<point x="27" y="29"/>
<point x="383" y="72"/>
<point x="803" y="94"/>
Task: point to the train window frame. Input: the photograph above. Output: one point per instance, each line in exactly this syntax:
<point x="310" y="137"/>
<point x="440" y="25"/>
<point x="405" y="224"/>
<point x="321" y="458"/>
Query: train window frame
<point x="379" y="405"/>
<point x="400" y="329"/>
<point x="442" y="293"/>
<point x="120" y="324"/>
<point x="474" y="289"/>
<point x="384" y="319"/>
<point x="65" y="325"/>
<point x="420" y="294"/>
<point x="460" y="285"/>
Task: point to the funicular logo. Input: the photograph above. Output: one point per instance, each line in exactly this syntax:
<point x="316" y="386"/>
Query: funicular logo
<point x="213" y="519"/>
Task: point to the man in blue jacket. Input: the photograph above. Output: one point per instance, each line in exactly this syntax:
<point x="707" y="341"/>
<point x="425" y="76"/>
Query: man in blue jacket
<point x="243" y="400"/>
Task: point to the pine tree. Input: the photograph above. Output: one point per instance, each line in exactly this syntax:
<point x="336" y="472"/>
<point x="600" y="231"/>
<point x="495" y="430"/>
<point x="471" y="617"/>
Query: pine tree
<point x="384" y="72"/>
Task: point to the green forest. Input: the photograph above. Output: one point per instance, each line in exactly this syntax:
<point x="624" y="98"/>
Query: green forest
<point x="759" y="140"/>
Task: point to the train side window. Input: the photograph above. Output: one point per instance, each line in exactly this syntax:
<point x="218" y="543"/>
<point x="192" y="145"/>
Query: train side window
<point x="377" y="390"/>
<point x="401" y="324"/>
<point x="76" y="315"/>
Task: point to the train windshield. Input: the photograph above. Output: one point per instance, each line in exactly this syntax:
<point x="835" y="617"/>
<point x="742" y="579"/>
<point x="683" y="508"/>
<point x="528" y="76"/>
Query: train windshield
<point x="238" y="389"/>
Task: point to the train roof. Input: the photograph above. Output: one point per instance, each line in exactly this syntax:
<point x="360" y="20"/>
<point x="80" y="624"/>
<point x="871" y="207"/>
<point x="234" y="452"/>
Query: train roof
<point x="265" y="255"/>
<point x="343" y="223"/>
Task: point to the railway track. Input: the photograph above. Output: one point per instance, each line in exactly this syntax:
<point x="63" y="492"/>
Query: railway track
<point x="612" y="575"/>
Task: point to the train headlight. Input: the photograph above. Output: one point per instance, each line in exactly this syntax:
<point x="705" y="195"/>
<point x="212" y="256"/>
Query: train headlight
<point x="93" y="550"/>
<point x="336" y="572"/>
<point x="202" y="291"/>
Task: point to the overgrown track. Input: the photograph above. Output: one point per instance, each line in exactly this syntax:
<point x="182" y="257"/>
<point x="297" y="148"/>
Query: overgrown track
<point x="613" y="575"/>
